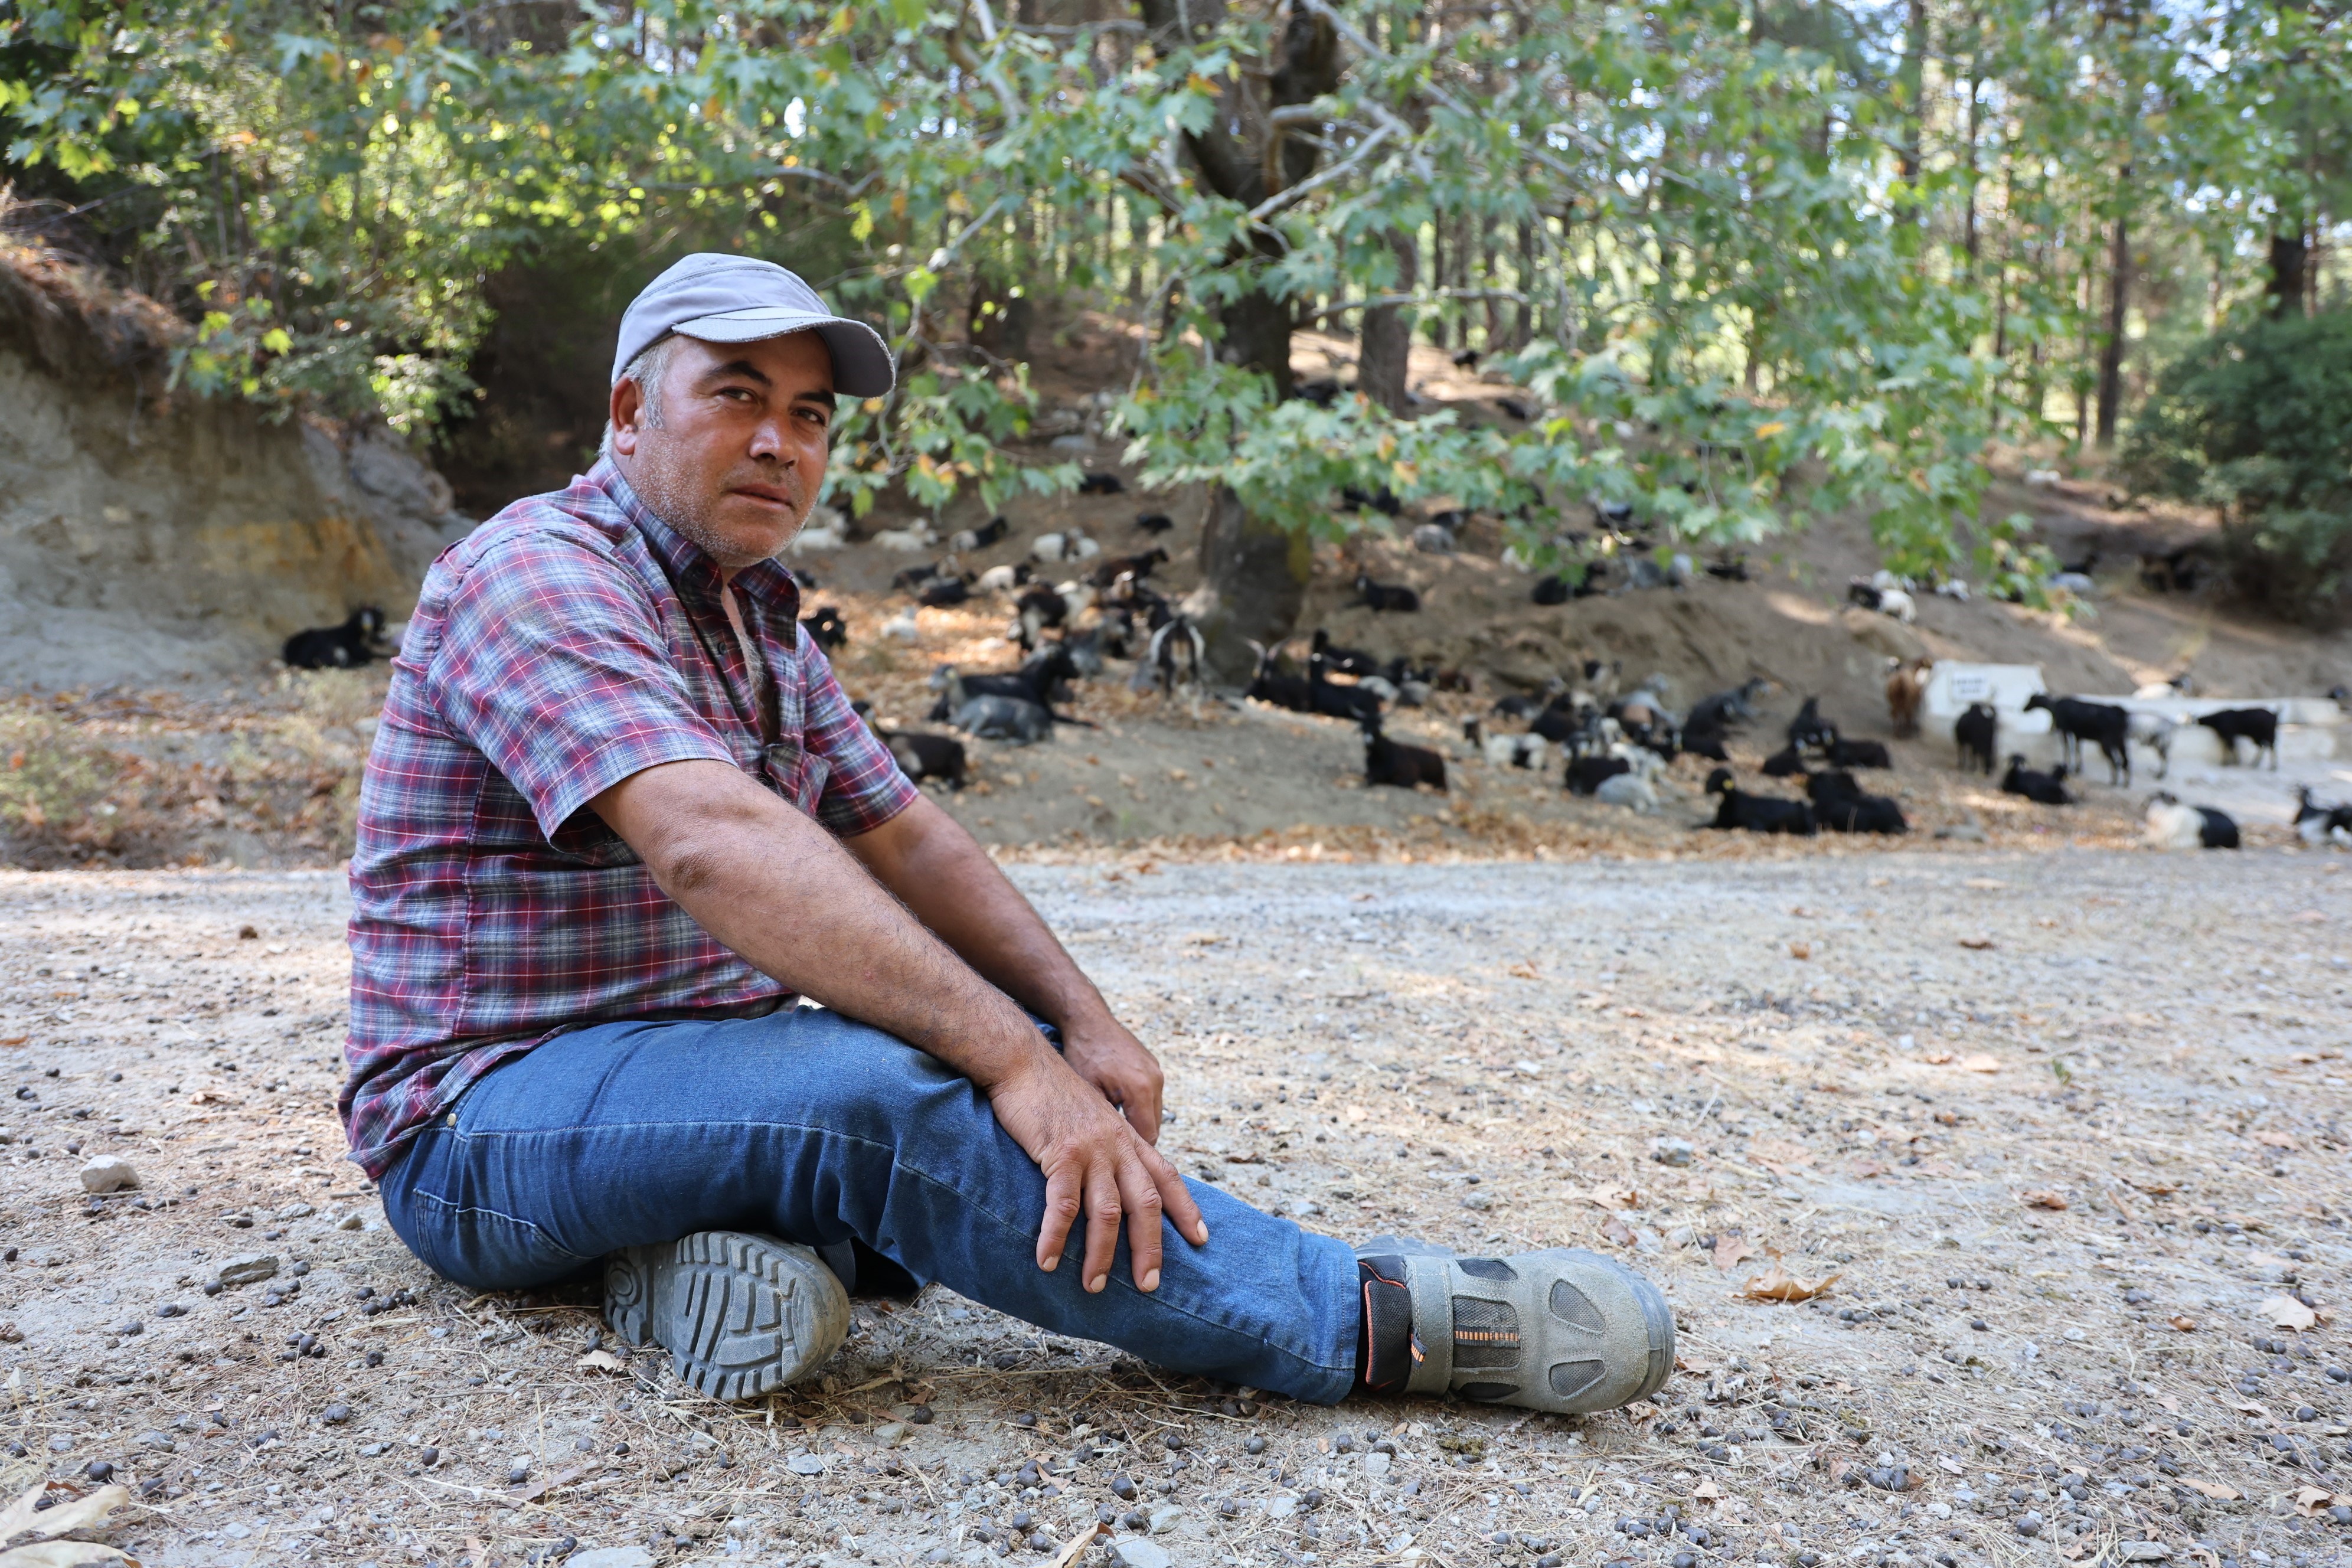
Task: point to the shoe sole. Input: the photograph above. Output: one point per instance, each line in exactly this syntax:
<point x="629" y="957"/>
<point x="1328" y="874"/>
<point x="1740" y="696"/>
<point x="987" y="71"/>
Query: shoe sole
<point x="740" y="1315"/>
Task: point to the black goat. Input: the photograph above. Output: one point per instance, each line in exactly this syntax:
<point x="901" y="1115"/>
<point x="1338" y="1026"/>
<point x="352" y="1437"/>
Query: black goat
<point x="1295" y="692"/>
<point x="1357" y="703"/>
<point x="1515" y="408"/>
<point x="1705" y="739"/>
<point x="1346" y="661"/>
<point x="1042" y="679"/>
<point x="1118" y="566"/>
<point x="1585" y="774"/>
<point x="1037" y="608"/>
<point x="908" y="578"/>
<point x="1322" y="392"/>
<point x="2259" y="725"/>
<point x="1845" y="754"/>
<point x="921" y="756"/>
<point x="965" y="540"/>
<point x="1975" y="732"/>
<point x="1519" y="705"/>
<point x="1102" y="485"/>
<point x="1726" y="709"/>
<point x="1154" y="521"/>
<point x="1809" y="729"/>
<point x="1467" y="360"/>
<point x="1551" y="589"/>
<point x="1840" y="807"/>
<point x="940" y="593"/>
<point x="1387" y="762"/>
<point x="347" y="646"/>
<point x="1786" y="762"/>
<point x="2101" y="723"/>
<point x="1385" y="502"/>
<point x="1386" y="596"/>
<point x="2044" y="789"/>
<point x="826" y="627"/>
<point x="1757" y="813"/>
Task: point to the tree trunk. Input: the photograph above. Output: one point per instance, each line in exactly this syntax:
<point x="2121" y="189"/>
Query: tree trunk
<point x="1252" y="576"/>
<point x="2290" y="257"/>
<point x="1387" y="345"/>
<point x="2111" y="354"/>
<point x="1912" y="82"/>
<point x="1254" y="580"/>
<point x="1523" y="330"/>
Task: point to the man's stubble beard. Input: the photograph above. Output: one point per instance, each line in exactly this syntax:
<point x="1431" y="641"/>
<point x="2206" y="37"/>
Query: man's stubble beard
<point x="673" y="497"/>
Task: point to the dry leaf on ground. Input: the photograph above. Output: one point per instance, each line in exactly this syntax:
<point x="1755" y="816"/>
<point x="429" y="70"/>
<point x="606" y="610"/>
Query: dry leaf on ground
<point x="2183" y="1322"/>
<point x="1729" y="1249"/>
<point x="2213" y="1489"/>
<point x="1779" y="1155"/>
<point x="1977" y="943"/>
<point x="1616" y="1198"/>
<point x="2276" y="1140"/>
<point x="2312" y="1501"/>
<point x="2286" y="1312"/>
<point x="1618" y="1232"/>
<point x="1777" y="1284"/>
<point x="600" y="1361"/>
<point x="1980" y="1063"/>
<point x="66" y="1555"/>
<point x="69" y="1512"/>
<point x="2041" y="1198"/>
<point x="1800" y="950"/>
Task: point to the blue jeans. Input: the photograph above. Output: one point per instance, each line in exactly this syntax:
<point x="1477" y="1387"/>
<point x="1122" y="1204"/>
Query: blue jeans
<point x="811" y="1127"/>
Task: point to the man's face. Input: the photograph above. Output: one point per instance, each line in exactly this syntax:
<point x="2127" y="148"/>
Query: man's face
<point x="739" y="453"/>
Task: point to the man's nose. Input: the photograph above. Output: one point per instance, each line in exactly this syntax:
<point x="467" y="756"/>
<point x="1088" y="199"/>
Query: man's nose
<point x="767" y="441"/>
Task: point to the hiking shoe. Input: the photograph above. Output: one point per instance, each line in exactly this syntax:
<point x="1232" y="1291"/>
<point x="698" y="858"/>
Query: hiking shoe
<point x="1563" y="1331"/>
<point x="740" y="1315"/>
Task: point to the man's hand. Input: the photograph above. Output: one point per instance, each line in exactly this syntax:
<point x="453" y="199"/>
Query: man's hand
<point x="1108" y="1057"/>
<point x="1095" y="1164"/>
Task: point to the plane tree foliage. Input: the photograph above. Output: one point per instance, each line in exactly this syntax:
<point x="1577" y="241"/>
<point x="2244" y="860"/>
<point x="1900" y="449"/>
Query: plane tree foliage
<point x="1750" y="260"/>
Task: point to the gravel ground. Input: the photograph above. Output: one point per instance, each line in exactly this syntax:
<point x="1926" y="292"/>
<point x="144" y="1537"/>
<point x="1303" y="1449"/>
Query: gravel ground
<point x="2062" y="1131"/>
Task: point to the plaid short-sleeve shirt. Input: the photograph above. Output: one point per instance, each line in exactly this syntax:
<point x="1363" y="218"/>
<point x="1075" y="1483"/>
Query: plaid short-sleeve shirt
<point x="570" y="641"/>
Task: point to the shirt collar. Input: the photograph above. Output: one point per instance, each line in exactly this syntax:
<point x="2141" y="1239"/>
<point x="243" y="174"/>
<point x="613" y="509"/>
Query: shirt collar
<point x="769" y="581"/>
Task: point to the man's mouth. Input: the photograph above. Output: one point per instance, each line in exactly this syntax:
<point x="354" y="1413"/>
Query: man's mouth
<point x="771" y="494"/>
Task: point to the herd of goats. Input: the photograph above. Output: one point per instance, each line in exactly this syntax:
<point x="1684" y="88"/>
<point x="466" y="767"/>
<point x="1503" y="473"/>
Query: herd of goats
<point x="1613" y="746"/>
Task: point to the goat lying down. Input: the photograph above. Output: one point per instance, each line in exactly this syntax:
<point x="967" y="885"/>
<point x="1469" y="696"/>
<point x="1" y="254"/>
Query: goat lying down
<point x="2172" y="826"/>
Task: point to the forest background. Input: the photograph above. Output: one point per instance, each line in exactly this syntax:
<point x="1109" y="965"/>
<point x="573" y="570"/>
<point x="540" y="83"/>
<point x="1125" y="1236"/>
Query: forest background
<point x="1753" y="259"/>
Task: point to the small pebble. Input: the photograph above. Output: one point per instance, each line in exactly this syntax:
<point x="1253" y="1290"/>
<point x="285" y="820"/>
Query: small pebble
<point x="1254" y="1446"/>
<point x="335" y="1415"/>
<point x="429" y="1457"/>
<point x="98" y="1470"/>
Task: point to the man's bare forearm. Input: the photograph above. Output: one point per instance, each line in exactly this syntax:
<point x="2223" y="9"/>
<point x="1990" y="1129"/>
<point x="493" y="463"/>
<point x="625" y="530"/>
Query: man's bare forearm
<point x="781" y="891"/>
<point x="935" y="867"/>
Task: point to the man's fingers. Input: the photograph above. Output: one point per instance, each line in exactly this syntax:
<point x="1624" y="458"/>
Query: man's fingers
<point x="1103" y="1209"/>
<point x="1142" y="1106"/>
<point x="1143" y="1208"/>
<point x="1062" y="1198"/>
<point x="1176" y="1198"/>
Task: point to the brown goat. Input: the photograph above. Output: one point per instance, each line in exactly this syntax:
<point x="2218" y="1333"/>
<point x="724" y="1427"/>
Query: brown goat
<point x="1906" y="688"/>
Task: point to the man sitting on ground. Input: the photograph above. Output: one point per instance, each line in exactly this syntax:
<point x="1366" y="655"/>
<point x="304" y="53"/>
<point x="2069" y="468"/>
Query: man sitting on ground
<point x="620" y="824"/>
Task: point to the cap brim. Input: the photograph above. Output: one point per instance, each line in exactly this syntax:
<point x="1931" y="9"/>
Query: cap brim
<point x="862" y="365"/>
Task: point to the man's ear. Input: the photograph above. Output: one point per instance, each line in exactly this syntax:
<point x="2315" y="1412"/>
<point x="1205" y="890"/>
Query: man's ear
<point x="625" y="405"/>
